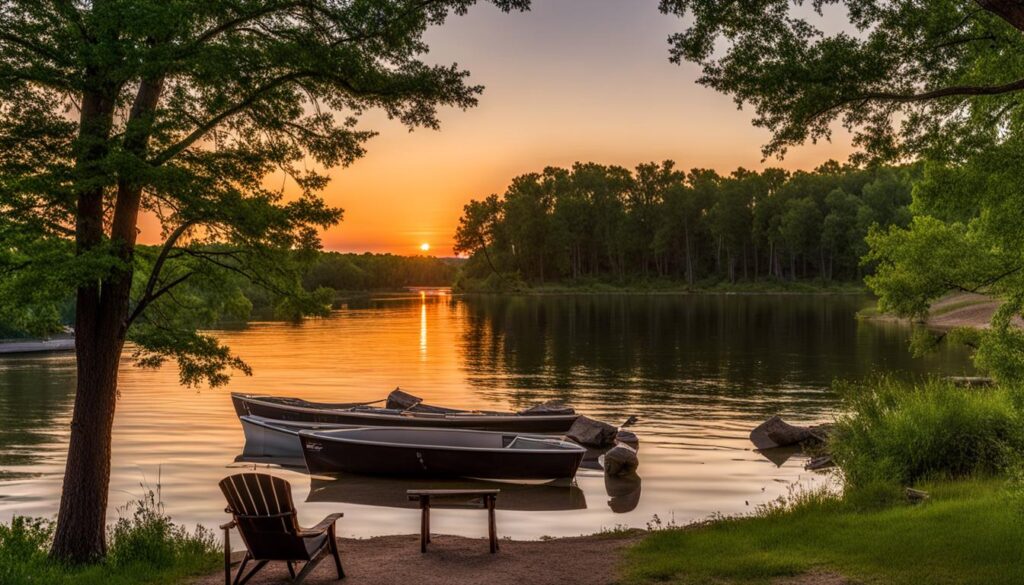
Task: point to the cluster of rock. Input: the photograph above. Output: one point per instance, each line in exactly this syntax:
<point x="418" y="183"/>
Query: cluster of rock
<point x="621" y="457"/>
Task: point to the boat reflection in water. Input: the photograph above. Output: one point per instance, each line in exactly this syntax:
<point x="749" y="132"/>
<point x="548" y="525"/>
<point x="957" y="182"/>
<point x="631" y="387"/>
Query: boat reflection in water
<point x="345" y="488"/>
<point x="391" y="492"/>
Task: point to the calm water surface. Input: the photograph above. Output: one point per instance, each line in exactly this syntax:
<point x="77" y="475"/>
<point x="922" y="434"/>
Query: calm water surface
<point x="698" y="371"/>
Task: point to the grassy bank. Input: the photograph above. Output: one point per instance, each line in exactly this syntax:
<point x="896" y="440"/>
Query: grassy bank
<point x="145" y="548"/>
<point x="962" y="445"/>
<point x="969" y="531"/>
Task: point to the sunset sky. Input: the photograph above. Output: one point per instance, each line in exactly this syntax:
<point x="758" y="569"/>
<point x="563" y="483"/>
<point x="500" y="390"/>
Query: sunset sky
<point x="570" y="80"/>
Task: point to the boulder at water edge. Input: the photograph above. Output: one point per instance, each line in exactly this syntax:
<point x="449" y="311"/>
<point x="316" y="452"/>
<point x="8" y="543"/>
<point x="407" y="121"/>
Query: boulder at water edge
<point x="776" y="432"/>
<point x="629" y="438"/>
<point x="620" y="460"/>
<point x="592" y="433"/>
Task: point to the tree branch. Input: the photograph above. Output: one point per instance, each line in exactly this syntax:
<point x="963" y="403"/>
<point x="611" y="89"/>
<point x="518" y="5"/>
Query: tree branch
<point x="952" y="91"/>
<point x="176" y="148"/>
<point x="145" y="302"/>
<point x="956" y="90"/>
<point x="154" y="275"/>
<point x="251" y="277"/>
<point x="36" y="48"/>
<point x="1012" y="11"/>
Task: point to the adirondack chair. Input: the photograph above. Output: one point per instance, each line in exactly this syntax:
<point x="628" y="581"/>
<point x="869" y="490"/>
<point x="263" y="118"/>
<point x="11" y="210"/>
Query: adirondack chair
<point x="262" y="509"/>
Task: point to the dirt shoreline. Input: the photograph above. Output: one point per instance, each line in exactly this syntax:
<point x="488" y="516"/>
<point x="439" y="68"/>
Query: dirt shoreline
<point x="596" y="559"/>
<point x="454" y="560"/>
<point x="956" y="310"/>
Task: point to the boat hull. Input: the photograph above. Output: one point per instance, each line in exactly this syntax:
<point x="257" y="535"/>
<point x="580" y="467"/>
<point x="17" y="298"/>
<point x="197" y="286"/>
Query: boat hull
<point x="327" y="455"/>
<point x="272" y="438"/>
<point x="537" y="424"/>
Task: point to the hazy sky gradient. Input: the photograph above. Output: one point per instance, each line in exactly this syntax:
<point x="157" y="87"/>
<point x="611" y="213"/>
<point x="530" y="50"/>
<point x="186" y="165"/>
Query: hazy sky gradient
<point x="571" y="80"/>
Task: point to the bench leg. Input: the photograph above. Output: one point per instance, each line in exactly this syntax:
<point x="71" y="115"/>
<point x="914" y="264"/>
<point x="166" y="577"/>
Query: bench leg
<point x="492" y="525"/>
<point x="424" y="523"/>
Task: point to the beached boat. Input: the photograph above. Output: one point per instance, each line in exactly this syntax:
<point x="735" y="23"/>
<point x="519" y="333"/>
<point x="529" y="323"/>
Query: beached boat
<point x="439" y="453"/>
<point x="404" y="410"/>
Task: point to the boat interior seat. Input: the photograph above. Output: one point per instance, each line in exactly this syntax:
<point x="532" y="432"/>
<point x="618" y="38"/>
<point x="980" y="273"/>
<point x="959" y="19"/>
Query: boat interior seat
<point x="423" y="414"/>
<point x="532" y="443"/>
<point x="377" y="410"/>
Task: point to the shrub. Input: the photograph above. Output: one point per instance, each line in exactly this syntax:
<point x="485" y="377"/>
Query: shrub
<point x="900" y="433"/>
<point x="23" y="545"/>
<point x="145" y="547"/>
<point x="145" y="535"/>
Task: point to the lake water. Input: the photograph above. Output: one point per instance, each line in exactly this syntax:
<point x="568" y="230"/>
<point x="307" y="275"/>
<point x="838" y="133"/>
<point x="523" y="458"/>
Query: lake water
<point x="698" y="370"/>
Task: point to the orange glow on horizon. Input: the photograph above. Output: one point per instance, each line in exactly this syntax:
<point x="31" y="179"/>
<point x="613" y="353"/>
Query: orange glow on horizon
<point x="568" y="81"/>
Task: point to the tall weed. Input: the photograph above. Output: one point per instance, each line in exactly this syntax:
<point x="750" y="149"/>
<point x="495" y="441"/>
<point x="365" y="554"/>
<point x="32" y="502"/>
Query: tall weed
<point x="900" y="433"/>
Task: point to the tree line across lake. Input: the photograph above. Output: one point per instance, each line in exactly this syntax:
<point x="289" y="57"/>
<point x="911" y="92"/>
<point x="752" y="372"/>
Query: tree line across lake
<point x="368" y="271"/>
<point x="606" y="223"/>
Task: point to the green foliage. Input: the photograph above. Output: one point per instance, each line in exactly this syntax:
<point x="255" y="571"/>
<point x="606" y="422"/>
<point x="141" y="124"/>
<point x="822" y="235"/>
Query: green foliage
<point x="899" y="434"/>
<point x="146" y="547"/>
<point x="966" y="236"/>
<point x="939" y="81"/>
<point x="181" y="110"/>
<point x="607" y="225"/>
<point x="961" y="535"/>
<point x="906" y="77"/>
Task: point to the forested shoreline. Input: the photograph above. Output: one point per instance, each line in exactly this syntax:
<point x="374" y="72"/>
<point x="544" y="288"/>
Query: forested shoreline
<point x="594" y="222"/>
<point x="381" y="272"/>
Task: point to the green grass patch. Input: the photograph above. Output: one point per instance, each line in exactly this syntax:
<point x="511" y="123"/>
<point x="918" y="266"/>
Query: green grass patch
<point x="145" y="548"/>
<point x="968" y="532"/>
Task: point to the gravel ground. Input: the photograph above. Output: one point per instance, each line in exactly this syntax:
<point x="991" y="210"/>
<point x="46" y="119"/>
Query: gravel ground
<point x="452" y="560"/>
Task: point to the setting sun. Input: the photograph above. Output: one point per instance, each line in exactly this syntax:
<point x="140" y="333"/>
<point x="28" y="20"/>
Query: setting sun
<point x="425" y="247"/>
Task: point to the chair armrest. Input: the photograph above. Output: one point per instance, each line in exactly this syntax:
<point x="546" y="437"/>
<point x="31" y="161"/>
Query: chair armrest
<point x="322" y="527"/>
<point x="228" y="526"/>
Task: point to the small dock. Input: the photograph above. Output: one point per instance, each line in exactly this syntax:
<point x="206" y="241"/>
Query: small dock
<point x="57" y="344"/>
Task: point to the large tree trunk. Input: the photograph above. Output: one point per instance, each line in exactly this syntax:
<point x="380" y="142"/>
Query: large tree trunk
<point x="81" y="521"/>
<point x="101" y="324"/>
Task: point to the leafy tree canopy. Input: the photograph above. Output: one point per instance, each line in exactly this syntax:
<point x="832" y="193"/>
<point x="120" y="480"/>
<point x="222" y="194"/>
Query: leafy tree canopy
<point x="938" y="80"/>
<point x="181" y="109"/>
<point x="906" y="77"/>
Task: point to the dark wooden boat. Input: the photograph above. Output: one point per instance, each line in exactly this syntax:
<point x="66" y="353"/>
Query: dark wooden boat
<point x="404" y="410"/>
<point x="268" y="438"/>
<point x="439" y="453"/>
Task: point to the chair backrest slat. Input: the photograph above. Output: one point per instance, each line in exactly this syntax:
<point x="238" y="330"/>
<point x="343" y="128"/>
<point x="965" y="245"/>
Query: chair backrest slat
<point x="265" y="515"/>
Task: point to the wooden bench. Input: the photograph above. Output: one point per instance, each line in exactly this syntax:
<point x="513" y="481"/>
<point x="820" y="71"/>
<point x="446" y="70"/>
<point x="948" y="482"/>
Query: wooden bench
<point x="486" y="501"/>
